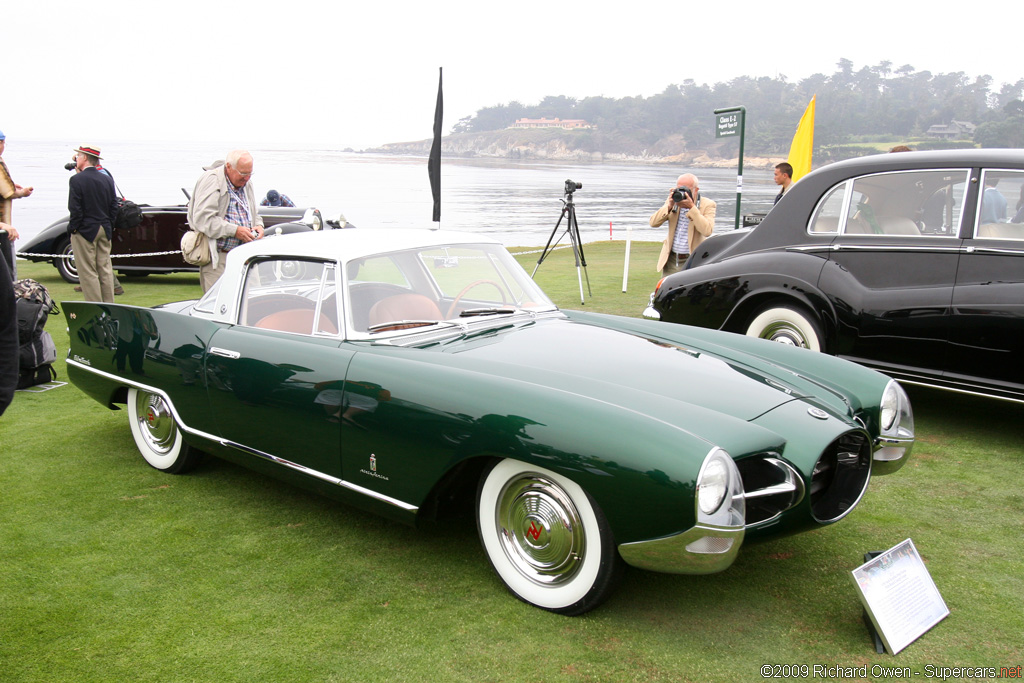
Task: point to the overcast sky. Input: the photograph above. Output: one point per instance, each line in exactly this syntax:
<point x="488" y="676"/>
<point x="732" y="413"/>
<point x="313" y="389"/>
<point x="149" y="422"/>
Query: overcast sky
<point x="359" y="73"/>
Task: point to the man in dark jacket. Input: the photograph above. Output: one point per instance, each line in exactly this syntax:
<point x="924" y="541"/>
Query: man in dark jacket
<point x="92" y="203"/>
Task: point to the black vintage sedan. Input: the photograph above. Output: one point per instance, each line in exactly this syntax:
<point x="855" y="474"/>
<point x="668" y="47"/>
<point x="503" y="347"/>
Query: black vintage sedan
<point x="910" y="263"/>
<point x="153" y="246"/>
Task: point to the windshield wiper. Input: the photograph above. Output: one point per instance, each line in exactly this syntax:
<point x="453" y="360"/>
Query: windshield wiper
<point x="503" y="310"/>
<point x="407" y="324"/>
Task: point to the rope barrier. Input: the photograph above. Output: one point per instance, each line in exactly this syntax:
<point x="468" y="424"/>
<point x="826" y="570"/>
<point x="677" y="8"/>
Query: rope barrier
<point x="25" y="254"/>
<point x="538" y="251"/>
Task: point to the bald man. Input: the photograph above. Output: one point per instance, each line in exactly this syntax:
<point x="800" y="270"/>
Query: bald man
<point x="691" y="219"/>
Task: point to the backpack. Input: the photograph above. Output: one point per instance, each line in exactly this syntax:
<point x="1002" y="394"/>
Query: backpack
<point x="128" y="214"/>
<point x="36" y="350"/>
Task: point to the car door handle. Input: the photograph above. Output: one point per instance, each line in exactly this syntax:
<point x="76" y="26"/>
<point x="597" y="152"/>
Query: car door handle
<point x="227" y="353"/>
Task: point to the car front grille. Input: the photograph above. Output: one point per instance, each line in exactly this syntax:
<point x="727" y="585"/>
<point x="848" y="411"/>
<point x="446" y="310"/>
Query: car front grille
<point x="770" y="485"/>
<point x="840" y="477"/>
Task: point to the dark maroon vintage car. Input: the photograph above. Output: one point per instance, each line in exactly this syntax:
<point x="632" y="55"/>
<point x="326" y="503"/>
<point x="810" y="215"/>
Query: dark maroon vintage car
<point x="153" y="246"/>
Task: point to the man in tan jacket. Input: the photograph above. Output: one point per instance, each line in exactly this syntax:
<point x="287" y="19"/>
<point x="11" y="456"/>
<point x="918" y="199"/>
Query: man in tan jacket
<point x="224" y="208"/>
<point x="691" y="218"/>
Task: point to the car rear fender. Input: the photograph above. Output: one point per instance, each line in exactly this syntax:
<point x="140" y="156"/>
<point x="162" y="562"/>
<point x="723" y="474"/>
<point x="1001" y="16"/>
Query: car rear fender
<point x="775" y="290"/>
<point x="717" y="247"/>
<point x="46" y="241"/>
<point x="115" y="346"/>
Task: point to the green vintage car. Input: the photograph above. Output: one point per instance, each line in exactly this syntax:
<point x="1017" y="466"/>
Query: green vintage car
<point x="410" y="371"/>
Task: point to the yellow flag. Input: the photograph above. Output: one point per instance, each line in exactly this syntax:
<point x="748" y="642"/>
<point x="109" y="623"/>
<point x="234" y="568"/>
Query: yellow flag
<point x="803" y="144"/>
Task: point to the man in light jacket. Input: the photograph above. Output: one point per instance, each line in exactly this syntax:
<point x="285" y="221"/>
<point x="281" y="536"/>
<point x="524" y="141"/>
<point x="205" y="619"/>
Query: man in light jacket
<point x="224" y="208"/>
<point x="690" y="217"/>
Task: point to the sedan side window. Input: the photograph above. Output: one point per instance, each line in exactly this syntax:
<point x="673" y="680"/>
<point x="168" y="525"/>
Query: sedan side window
<point x="829" y="212"/>
<point x="907" y="203"/>
<point x="1002" y="206"/>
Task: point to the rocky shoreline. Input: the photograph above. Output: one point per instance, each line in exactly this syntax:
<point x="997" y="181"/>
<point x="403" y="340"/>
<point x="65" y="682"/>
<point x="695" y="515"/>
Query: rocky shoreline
<point x="511" y="145"/>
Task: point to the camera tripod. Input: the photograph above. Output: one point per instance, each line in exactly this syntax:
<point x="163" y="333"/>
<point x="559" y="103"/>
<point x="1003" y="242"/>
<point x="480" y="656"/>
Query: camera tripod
<point x="572" y="229"/>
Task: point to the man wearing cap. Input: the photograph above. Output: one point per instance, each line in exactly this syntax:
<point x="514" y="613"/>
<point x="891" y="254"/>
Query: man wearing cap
<point x="9" y="191"/>
<point x="275" y="198"/>
<point x="224" y="208"/>
<point x="92" y="203"/>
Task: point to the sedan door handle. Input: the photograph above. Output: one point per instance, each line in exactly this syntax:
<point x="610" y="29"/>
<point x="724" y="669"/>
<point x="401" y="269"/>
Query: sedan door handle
<point x="227" y="353"/>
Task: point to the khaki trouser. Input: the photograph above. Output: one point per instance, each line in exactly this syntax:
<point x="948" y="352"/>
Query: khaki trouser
<point x="95" y="272"/>
<point x="209" y="275"/>
<point x="676" y="262"/>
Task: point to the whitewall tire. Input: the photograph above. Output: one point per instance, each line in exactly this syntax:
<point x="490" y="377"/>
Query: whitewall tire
<point x="157" y="435"/>
<point x="786" y="325"/>
<point x="546" y="538"/>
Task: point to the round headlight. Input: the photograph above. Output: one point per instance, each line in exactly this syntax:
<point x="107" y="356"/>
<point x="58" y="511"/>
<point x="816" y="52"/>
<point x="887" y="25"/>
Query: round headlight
<point x="713" y="485"/>
<point x="890" y="406"/>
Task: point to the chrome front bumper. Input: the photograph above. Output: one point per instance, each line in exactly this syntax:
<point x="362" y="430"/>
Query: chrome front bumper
<point x="699" y="550"/>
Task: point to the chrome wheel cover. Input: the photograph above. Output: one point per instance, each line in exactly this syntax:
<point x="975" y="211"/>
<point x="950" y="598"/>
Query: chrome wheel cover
<point x="156" y="424"/>
<point x="784" y="332"/>
<point x="541" y="531"/>
<point x="69" y="262"/>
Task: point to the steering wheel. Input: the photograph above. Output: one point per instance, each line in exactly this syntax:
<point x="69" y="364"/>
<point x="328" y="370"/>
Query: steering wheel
<point x="471" y="285"/>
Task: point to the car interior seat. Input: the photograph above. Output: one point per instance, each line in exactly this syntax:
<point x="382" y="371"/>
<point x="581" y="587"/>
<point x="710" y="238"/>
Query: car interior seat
<point x="403" y="307"/>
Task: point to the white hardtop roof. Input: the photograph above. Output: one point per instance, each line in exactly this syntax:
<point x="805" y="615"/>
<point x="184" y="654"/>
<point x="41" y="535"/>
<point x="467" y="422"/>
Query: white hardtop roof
<point x="342" y="245"/>
<point x="350" y="243"/>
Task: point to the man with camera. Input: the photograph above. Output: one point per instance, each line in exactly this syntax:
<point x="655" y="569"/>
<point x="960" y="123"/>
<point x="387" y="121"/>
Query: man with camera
<point x="92" y="203"/>
<point x="691" y="218"/>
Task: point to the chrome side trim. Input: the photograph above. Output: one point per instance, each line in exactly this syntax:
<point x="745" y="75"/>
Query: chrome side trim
<point x="324" y="477"/>
<point x="969" y="392"/>
<point x="993" y="250"/>
<point x="246" y="449"/>
<point x="896" y="247"/>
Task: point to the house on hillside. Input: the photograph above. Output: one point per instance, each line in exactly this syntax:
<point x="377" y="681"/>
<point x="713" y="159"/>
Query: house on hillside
<point x="551" y="123"/>
<point x="954" y="130"/>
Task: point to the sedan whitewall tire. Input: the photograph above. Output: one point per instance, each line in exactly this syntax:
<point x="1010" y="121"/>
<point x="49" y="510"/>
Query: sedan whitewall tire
<point x="786" y="325"/>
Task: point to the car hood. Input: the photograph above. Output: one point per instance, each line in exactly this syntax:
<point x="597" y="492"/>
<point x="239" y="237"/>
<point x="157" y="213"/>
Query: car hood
<point x="616" y="366"/>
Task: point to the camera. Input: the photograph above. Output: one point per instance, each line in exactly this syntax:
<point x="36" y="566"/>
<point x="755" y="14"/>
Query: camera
<point x="69" y="166"/>
<point x="571" y="186"/>
<point x="680" y="192"/>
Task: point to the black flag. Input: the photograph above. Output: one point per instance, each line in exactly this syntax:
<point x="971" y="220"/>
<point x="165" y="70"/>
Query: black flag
<point x="434" y="163"/>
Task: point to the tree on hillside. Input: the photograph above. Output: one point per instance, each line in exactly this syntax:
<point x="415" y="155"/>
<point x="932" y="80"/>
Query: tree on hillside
<point x="870" y="101"/>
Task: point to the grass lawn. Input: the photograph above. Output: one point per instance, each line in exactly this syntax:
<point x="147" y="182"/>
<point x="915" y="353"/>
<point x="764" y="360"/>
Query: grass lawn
<point x="111" y="571"/>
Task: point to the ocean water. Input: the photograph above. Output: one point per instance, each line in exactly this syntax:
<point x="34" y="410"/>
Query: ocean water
<point x="518" y="203"/>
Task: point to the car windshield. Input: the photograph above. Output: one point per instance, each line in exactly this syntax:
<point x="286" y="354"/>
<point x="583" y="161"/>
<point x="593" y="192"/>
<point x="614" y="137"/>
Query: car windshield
<point x="414" y="288"/>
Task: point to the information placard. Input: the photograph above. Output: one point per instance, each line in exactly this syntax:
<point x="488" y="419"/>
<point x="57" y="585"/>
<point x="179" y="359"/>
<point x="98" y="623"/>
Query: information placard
<point x="899" y="595"/>
<point x="728" y="124"/>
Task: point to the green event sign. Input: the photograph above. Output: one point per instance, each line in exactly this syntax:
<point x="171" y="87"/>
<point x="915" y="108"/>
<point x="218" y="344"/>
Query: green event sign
<point x="729" y="124"/>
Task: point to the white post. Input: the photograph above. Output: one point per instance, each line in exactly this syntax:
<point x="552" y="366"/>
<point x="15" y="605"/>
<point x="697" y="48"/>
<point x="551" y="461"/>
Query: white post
<point x="625" y="267"/>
